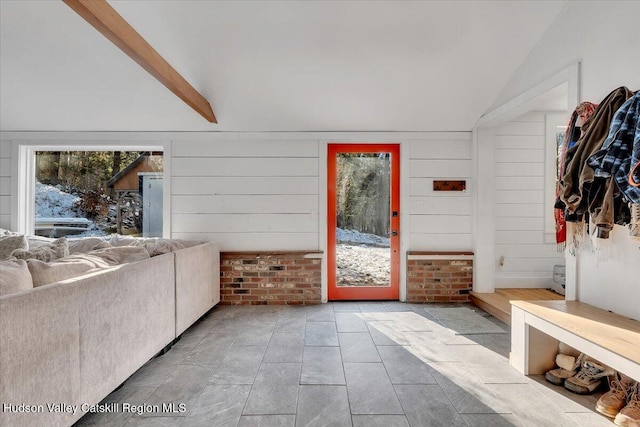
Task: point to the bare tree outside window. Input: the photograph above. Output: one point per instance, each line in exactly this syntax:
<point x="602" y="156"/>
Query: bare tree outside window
<point x="91" y="193"/>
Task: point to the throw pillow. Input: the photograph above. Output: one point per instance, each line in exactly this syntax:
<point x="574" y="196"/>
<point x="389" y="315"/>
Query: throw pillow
<point x="15" y="276"/>
<point x="77" y="265"/>
<point x="56" y="249"/>
<point x="10" y="243"/>
<point x="154" y="245"/>
<point x="69" y="267"/>
<point x="119" y="240"/>
<point x="157" y="246"/>
<point x="38" y="241"/>
<point x="121" y="255"/>
<point x="84" y="245"/>
<point x="4" y="232"/>
<point x="102" y="245"/>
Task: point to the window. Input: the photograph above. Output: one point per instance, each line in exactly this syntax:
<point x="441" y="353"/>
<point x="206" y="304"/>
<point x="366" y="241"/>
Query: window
<point x="78" y="191"/>
<point x="560" y="132"/>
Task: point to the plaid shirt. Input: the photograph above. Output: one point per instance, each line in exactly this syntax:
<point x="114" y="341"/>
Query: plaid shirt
<point x="614" y="159"/>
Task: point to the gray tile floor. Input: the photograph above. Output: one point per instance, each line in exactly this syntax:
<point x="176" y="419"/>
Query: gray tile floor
<point x="341" y="364"/>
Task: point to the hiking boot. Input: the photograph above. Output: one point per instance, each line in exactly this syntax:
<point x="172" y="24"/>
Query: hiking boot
<point x="588" y="378"/>
<point x="629" y="416"/>
<point x="634" y="225"/>
<point x="566" y="349"/>
<point x="616" y="398"/>
<point x="568" y="367"/>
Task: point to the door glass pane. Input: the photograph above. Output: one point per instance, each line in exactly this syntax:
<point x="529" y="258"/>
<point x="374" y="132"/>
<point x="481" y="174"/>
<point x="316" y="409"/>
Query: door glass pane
<point x="363" y="224"/>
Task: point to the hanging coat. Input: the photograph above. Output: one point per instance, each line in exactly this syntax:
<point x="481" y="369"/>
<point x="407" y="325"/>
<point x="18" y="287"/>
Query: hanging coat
<point x="578" y="176"/>
<point x="583" y="111"/>
<point x="613" y="161"/>
<point x="634" y="173"/>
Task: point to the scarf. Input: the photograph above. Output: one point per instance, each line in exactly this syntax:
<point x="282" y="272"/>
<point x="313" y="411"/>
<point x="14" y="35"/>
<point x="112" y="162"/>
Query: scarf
<point x="582" y="112"/>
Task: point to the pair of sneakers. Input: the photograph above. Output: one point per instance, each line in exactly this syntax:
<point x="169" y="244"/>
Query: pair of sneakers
<point x="622" y="401"/>
<point x="578" y="374"/>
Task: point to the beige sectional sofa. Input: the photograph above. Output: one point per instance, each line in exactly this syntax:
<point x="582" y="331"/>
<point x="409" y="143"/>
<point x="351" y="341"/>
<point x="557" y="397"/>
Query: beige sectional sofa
<point x="66" y="345"/>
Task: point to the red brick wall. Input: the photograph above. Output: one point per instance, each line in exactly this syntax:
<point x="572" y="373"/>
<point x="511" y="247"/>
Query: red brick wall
<point x="270" y="278"/>
<point x="439" y="279"/>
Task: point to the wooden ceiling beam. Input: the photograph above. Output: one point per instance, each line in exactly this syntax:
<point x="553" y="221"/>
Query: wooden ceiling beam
<point x="107" y="21"/>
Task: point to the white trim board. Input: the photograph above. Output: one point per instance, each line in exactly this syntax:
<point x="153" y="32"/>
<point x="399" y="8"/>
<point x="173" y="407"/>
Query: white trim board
<point x="23" y="154"/>
<point x="485" y="279"/>
<point x="440" y="257"/>
<point x="523" y="103"/>
<point x="552" y="121"/>
<point x="64" y="137"/>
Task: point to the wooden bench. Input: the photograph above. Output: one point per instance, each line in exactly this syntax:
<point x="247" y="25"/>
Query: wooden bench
<point x="538" y="326"/>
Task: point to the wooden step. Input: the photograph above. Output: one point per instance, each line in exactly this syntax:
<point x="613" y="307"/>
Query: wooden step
<point x="492" y="304"/>
<point x="498" y="303"/>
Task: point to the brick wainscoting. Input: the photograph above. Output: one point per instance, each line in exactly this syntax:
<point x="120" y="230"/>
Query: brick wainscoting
<point x="439" y="276"/>
<point x="270" y="277"/>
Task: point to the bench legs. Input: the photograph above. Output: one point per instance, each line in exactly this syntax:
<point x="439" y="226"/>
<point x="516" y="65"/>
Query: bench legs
<point x="532" y="352"/>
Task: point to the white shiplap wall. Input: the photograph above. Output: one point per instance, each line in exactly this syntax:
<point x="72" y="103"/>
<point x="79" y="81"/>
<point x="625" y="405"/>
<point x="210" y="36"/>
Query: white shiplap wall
<point x="5" y="184"/>
<point x="266" y="191"/>
<point x="246" y="194"/>
<point x="439" y="220"/>
<point x="519" y="212"/>
<point x="267" y="194"/>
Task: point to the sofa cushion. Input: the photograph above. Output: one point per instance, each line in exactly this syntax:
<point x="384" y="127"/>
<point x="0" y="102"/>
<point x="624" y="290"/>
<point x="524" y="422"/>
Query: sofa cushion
<point x="54" y="250"/>
<point x="10" y="243"/>
<point x="79" y="264"/>
<point x="15" y="276"/>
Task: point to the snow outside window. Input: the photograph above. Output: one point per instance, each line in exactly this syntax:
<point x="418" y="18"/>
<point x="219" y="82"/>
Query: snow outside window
<point x="97" y="193"/>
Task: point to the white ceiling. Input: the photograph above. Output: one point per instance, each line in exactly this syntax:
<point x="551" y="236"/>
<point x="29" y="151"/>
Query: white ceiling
<point x="268" y="66"/>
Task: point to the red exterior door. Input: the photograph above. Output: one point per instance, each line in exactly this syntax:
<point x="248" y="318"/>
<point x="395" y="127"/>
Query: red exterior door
<point x="377" y="235"/>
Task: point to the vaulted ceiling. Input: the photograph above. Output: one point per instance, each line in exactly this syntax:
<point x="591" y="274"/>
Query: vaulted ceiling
<point x="268" y="65"/>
